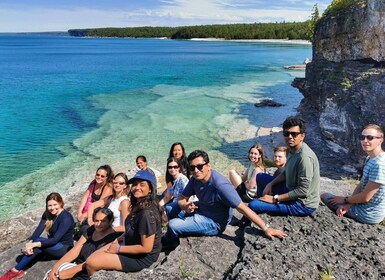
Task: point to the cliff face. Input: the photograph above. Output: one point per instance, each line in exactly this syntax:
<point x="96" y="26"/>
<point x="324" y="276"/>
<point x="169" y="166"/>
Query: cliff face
<point x="344" y="86"/>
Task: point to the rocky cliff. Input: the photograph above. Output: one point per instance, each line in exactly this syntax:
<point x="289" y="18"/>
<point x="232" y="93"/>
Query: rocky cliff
<point x="344" y="86"/>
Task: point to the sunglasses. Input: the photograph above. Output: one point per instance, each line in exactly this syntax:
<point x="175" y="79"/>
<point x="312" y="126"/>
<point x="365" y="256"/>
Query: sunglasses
<point x="198" y="166"/>
<point x="292" y="133"/>
<point x="369" y="137"/>
<point x="173" y="167"/>
<point x="119" y="183"/>
<point x="101" y="176"/>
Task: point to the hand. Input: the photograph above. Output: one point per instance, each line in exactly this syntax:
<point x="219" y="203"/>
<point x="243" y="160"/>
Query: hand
<point x="113" y="248"/>
<point x="190" y="207"/>
<point x="267" y="198"/>
<point x="271" y="232"/>
<point x="336" y="200"/>
<point x="51" y="276"/>
<point x="28" y="246"/>
<point x="80" y="218"/>
<point x="268" y="189"/>
<point x="343" y="209"/>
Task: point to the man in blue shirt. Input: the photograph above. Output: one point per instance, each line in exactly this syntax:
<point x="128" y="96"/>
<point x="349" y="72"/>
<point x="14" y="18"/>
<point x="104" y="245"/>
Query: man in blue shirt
<point x="210" y="215"/>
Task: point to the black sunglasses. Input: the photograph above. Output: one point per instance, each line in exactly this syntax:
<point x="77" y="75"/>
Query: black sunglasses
<point x="173" y="167"/>
<point x="292" y="133"/>
<point x="369" y="137"/>
<point x="198" y="166"/>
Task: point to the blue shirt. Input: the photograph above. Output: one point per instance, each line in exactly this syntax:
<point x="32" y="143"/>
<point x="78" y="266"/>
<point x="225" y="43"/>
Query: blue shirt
<point x="216" y="198"/>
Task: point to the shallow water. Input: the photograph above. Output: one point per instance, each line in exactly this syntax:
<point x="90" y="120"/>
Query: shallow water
<point x="69" y="105"/>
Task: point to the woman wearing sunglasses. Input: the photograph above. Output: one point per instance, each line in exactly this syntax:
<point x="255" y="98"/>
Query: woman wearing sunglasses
<point x="246" y="185"/>
<point x="179" y="182"/>
<point x="118" y="203"/>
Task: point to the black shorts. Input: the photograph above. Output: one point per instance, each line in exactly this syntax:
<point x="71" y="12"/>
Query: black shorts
<point x="242" y="192"/>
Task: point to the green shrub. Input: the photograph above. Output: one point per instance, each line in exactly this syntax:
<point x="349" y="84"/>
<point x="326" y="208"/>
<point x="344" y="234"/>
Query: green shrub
<point x="339" y="5"/>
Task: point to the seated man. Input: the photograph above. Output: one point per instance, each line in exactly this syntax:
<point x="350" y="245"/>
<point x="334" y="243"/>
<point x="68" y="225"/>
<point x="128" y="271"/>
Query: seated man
<point x="367" y="203"/>
<point x="210" y="215"/>
<point x="301" y="175"/>
<point x="263" y="178"/>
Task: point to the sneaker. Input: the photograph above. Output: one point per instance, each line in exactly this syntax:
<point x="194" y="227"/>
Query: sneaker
<point x="11" y="274"/>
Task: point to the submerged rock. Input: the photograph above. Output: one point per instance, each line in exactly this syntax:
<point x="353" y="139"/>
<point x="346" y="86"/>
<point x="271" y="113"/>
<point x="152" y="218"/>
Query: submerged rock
<point x="268" y="103"/>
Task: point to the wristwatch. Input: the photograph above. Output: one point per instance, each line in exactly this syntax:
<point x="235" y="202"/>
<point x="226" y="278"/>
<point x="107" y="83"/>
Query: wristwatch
<point x="275" y="197"/>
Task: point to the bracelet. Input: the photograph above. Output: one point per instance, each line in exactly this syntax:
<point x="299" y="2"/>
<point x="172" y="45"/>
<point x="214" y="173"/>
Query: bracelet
<point x="119" y="249"/>
<point x="57" y="275"/>
<point x="266" y="227"/>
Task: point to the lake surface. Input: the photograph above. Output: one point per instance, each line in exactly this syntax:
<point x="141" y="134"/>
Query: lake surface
<point x="69" y="105"/>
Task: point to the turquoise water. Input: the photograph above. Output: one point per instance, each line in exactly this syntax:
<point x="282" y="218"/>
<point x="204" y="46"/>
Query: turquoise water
<point x="70" y="104"/>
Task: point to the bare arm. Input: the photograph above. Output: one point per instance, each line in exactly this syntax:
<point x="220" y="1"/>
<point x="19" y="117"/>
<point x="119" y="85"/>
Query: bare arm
<point x="357" y="196"/>
<point x="269" y="187"/>
<point x="93" y="206"/>
<point x="253" y="180"/>
<point x="147" y="243"/>
<point x="108" y="190"/>
<point x="80" y="215"/>
<point x="167" y="197"/>
<point x="124" y="211"/>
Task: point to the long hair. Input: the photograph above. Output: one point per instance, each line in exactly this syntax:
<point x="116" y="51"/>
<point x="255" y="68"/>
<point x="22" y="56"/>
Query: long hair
<point x="169" y="178"/>
<point x="124" y="176"/>
<point x="110" y="174"/>
<point x="48" y="216"/>
<point x="147" y="202"/>
<point x="261" y="162"/>
<point x="183" y="160"/>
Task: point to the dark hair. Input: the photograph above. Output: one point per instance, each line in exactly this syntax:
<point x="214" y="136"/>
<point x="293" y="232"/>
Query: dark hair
<point x="49" y="217"/>
<point x="198" y="153"/>
<point x="124" y="176"/>
<point x="260" y="163"/>
<point x="141" y="157"/>
<point x="294" y="121"/>
<point x="169" y="178"/>
<point x="150" y="201"/>
<point x="108" y="169"/>
<point x="183" y="160"/>
<point x="109" y="214"/>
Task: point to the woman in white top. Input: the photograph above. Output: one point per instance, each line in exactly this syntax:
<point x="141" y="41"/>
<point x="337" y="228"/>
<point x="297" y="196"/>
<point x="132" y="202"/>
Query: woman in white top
<point x="118" y="203"/>
<point x="179" y="182"/>
<point x="246" y="185"/>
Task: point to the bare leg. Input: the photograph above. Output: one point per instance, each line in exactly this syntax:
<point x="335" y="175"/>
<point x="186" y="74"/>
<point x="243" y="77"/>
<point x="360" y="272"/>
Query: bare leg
<point x="101" y="260"/>
<point x="235" y="179"/>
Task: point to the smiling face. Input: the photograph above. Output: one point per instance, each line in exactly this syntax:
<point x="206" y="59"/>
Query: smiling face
<point x="141" y="164"/>
<point x="119" y="184"/>
<point x="140" y="188"/>
<point x="177" y="152"/>
<point x="280" y="159"/>
<point x="254" y="155"/>
<point x="372" y="147"/>
<point x="173" y="168"/>
<point x="101" y="176"/>
<point x="101" y="222"/>
<point x="54" y="207"/>
<point x="200" y="169"/>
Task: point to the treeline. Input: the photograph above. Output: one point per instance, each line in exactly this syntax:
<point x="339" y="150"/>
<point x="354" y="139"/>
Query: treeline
<point x="284" y="30"/>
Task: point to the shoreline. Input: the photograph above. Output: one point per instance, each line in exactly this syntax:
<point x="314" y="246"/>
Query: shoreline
<point x="285" y="41"/>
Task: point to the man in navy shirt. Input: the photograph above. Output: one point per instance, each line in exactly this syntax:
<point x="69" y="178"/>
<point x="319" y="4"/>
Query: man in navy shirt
<point x="210" y="215"/>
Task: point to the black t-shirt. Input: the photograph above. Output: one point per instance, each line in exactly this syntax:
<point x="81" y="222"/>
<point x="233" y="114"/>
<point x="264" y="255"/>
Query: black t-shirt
<point x="91" y="245"/>
<point x="146" y="222"/>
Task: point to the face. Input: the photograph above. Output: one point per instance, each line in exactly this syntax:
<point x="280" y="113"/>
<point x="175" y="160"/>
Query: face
<point x="54" y="207"/>
<point x="177" y="152"/>
<point x="101" y="176"/>
<point x="173" y="168"/>
<point x="279" y="159"/>
<point x="294" y="143"/>
<point x="373" y="145"/>
<point x="141" y="164"/>
<point x="119" y="184"/>
<point x="101" y="222"/>
<point x="140" y="188"/>
<point x="200" y="169"/>
<point x="254" y="155"/>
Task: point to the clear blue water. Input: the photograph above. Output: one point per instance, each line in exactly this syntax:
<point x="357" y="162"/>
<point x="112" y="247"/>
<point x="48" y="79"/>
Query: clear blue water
<point x="70" y="104"/>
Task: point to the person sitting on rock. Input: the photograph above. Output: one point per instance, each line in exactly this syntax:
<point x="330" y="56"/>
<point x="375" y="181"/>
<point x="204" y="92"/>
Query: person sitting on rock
<point x="246" y="184"/>
<point x="177" y="151"/>
<point x="58" y="223"/>
<point x="141" y="163"/>
<point x="143" y="230"/>
<point x="367" y="202"/>
<point x="71" y="265"/>
<point x="179" y="182"/>
<point x="263" y="178"/>
<point x="301" y="177"/>
<point x="210" y="215"/>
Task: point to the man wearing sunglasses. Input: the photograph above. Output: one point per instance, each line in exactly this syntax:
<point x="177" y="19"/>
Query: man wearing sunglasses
<point x="367" y="202"/>
<point x="301" y="178"/>
<point x="210" y="215"/>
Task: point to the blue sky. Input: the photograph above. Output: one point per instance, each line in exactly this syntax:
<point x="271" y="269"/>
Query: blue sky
<point x="61" y="15"/>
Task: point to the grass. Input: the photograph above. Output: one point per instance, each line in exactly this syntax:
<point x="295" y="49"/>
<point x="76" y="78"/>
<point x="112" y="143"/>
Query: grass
<point x="327" y="274"/>
<point x="184" y="272"/>
<point x="339" y="5"/>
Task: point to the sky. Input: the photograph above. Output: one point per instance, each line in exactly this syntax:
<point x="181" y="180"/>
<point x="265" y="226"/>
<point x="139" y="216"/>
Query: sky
<point x="61" y="15"/>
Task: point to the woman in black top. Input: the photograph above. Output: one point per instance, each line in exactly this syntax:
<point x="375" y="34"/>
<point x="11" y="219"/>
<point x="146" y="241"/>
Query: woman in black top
<point x="142" y="239"/>
<point x="97" y="236"/>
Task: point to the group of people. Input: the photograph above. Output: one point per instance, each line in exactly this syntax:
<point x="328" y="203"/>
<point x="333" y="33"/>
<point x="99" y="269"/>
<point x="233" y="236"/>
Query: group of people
<point x="121" y="220"/>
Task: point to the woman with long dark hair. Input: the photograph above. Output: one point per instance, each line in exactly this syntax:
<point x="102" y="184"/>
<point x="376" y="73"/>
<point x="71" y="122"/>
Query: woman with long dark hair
<point x="177" y="151"/>
<point x="58" y="224"/>
<point x="142" y="239"/>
